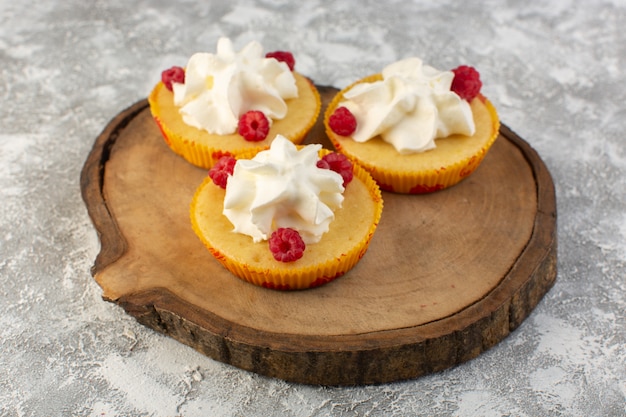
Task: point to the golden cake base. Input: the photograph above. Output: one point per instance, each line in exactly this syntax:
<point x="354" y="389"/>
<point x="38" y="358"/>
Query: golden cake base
<point x="447" y="275"/>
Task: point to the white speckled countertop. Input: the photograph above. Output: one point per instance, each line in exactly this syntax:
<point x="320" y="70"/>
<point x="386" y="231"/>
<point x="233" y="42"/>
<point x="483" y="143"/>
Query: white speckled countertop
<point x="555" y="71"/>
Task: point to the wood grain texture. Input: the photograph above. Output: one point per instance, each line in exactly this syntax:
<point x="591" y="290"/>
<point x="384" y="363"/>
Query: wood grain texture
<point x="447" y="275"/>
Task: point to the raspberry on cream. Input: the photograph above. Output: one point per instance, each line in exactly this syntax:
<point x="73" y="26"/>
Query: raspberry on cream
<point x="409" y="108"/>
<point x="283" y="187"/>
<point x="218" y="88"/>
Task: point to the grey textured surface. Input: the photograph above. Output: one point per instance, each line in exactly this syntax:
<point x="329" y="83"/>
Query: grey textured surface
<point x="555" y="71"/>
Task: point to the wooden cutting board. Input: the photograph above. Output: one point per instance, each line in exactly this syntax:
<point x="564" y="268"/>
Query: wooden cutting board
<point x="447" y="275"/>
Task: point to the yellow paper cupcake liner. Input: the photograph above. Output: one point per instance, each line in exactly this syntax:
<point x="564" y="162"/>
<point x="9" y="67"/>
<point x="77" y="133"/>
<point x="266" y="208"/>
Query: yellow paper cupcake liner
<point x="415" y="181"/>
<point x="205" y="156"/>
<point x="289" y="276"/>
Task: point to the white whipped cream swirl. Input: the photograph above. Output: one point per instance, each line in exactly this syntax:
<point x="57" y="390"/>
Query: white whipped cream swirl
<point x="409" y="108"/>
<point x="283" y="187"/>
<point x="220" y="87"/>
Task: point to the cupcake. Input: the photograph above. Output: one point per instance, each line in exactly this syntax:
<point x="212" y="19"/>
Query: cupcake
<point x="233" y="103"/>
<point x="414" y="128"/>
<point x="290" y="217"/>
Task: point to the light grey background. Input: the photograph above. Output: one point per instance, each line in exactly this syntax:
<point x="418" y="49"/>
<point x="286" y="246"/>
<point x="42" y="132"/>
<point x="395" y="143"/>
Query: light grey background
<point x="555" y="71"/>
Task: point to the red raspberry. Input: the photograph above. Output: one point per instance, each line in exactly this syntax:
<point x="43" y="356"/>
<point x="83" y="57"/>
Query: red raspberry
<point x="253" y="126"/>
<point x="286" y="245"/>
<point x="339" y="163"/>
<point x="466" y="82"/>
<point x="222" y="169"/>
<point x="342" y="122"/>
<point x="283" y="56"/>
<point x="173" y="75"/>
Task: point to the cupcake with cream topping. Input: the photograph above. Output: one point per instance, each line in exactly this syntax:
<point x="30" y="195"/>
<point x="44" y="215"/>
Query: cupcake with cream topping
<point x="288" y="218"/>
<point x="414" y="128"/>
<point x="233" y="103"/>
